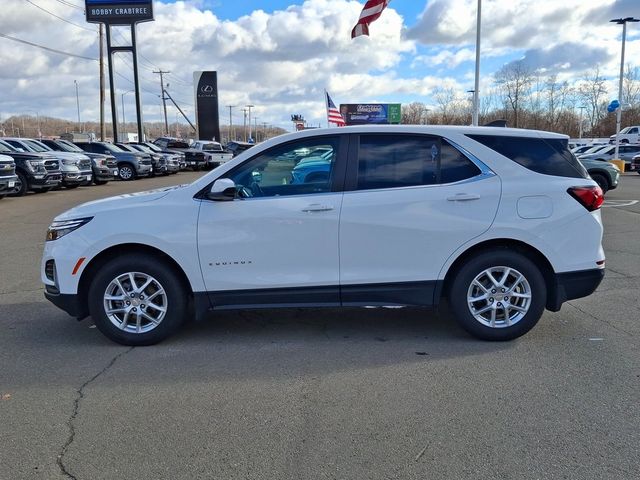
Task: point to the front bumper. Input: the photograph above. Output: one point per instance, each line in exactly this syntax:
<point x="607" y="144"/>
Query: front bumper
<point x="7" y="184"/>
<point x="104" y="173"/>
<point x="47" y="181"/>
<point x="70" y="303"/>
<point x="144" y="170"/>
<point x="572" y="285"/>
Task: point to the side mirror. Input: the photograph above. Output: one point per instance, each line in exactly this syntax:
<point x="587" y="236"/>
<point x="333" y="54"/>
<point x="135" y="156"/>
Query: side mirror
<point x="222" y="190"/>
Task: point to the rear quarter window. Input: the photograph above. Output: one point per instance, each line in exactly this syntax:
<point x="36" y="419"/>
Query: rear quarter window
<point x="549" y="156"/>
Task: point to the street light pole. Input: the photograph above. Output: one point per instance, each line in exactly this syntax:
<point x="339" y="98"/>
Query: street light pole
<point x="244" y="126"/>
<point x="230" y="107"/>
<point x="623" y="22"/>
<point x="78" y="104"/>
<point x="476" y="87"/>
<point x="582" y="107"/>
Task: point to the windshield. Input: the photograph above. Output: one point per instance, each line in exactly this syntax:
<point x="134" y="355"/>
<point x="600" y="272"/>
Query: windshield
<point x="153" y="147"/>
<point x="68" y="146"/>
<point x="212" y="147"/>
<point x="5" y="148"/>
<point x="112" y="148"/>
<point x="39" y="144"/>
<point x="35" y="146"/>
<point x="143" y="148"/>
<point x="596" y="149"/>
<point x="178" y="145"/>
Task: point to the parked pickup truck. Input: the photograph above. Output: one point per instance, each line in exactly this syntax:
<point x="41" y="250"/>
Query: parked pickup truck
<point x="213" y="151"/>
<point x="627" y="135"/>
<point x="8" y="175"/>
<point x="195" y="159"/>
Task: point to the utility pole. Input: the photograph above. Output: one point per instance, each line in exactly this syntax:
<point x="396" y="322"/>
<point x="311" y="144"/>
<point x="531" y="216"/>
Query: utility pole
<point x="102" y="128"/>
<point x="244" y="124"/>
<point x="255" y="124"/>
<point x="78" y="103"/>
<point x="164" y="101"/>
<point x="249" y="107"/>
<point x="230" y="107"/>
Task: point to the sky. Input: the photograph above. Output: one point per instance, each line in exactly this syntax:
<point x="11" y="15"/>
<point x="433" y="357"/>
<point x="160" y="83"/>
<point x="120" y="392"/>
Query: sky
<point x="280" y="55"/>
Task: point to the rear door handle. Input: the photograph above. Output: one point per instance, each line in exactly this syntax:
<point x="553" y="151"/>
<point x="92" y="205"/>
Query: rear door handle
<point x="316" y="207"/>
<point x="463" y="197"/>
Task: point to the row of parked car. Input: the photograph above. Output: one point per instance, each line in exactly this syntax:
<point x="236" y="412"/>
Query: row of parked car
<point x="596" y="159"/>
<point x="41" y="165"/>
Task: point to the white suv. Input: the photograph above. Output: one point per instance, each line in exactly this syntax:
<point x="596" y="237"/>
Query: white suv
<point x="503" y="222"/>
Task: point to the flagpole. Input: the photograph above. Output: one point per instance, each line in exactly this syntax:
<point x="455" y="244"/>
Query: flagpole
<point x="476" y="89"/>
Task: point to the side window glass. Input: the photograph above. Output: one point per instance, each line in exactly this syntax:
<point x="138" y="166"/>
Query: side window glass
<point x="454" y="166"/>
<point x="390" y="161"/>
<point x="296" y="168"/>
<point x="633" y="130"/>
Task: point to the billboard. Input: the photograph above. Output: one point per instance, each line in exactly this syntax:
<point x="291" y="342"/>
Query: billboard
<point x="371" y="113"/>
<point x="118" y="12"/>
<point x="206" y="93"/>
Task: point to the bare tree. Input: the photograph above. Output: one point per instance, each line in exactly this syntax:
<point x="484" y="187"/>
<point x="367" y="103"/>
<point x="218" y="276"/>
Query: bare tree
<point x="515" y="80"/>
<point x="592" y="91"/>
<point x="631" y="86"/>
<point x="414" y="114"/>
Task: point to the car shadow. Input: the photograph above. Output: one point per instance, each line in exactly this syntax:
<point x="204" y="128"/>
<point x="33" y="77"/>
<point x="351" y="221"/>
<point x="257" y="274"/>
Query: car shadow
<point x="250" y="344"/>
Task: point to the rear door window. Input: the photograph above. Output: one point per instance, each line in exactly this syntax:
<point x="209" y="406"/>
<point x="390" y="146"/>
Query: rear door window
<point x="395" y="161"/>
<point x="549" y="156"/>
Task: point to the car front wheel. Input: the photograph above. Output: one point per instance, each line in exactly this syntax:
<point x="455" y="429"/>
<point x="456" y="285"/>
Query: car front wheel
<point x="498" y="295"/>
<point x="126" y="172"/>
<point x="137" y="300"/>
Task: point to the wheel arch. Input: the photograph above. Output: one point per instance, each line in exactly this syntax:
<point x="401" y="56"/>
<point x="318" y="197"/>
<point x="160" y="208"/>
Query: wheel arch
<point x="509" y="244"/>
<point x="103" y="257"/>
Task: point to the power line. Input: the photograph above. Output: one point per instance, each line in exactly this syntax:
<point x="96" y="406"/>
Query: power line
<point x="47" y="48"/>
<point x="69" y="4"/>
<point x="60" y="18"/>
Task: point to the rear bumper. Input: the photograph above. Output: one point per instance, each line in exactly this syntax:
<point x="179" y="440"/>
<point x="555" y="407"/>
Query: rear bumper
<point x="572" y="285"/>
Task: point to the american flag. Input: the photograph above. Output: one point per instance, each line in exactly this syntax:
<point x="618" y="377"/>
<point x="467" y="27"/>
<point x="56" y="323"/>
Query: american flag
<point x="333" y="114"/>
<point x="370" y="13"/>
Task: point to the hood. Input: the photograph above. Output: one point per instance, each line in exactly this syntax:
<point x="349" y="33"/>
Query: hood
<point x="68" y="155"/>
<point x="118" y="202"/>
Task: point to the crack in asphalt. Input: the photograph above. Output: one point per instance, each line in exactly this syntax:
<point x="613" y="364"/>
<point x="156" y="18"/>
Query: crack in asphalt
<point x="615" y="327"/>
<point x="74" y="414"/>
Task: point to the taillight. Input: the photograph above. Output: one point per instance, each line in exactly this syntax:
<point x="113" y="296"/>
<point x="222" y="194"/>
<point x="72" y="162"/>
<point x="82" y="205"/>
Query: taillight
<point x="590" y="198"/>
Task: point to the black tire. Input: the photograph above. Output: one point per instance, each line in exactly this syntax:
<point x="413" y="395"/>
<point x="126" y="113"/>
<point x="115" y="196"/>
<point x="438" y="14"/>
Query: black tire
<point x="43" y="190"/>
<point x="126" y="172"/>
<point x="601" y="180"/>
<point x="100" y="182"/>
<point x="2" y="196"/>
<point x="21" y="185"/>
<point x="498" y="258"/>
<point x="175" y="299"/>
<point x="624" y="140"/>
<point x="72" y="186"/>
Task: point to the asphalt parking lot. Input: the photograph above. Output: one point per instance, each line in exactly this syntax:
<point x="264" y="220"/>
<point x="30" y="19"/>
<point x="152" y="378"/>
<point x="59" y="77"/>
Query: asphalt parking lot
<point x="335" y="394"/>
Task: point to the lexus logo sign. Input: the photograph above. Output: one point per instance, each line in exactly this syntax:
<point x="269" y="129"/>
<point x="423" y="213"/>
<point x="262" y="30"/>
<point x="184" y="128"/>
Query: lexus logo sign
<point x="206" y="89"/>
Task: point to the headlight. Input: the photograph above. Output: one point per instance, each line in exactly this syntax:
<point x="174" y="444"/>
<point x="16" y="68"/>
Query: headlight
<point x="61" y="228"/>
<point x="68" y="161"/>
<point x="35" y="165"/>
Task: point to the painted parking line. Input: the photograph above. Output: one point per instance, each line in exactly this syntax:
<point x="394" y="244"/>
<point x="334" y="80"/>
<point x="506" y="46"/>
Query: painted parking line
<point x="619" y="203"/>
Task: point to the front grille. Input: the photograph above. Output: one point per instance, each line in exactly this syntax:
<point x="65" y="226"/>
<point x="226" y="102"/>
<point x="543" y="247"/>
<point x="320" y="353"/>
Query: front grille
<point x="52" y="165"/>
<point x="85" y="165"/>
<point x="145" y="162"/>
<point x="7" y="168"/>
<point x="112" y="163"/>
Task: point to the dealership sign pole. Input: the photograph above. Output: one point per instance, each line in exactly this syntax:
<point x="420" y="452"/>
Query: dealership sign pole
<point x="121" y="12"/>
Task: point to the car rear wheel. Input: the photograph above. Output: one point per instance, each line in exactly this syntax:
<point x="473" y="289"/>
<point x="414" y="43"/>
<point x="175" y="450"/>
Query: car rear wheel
<point x="602" y="181"/>
<point x="126" y="172"/>
<point x="498" y="295"/>
<point x="137" y="300"/>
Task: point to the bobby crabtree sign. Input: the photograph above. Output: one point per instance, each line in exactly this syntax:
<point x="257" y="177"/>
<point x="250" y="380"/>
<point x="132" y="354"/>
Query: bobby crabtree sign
<point x="119" y="12"/>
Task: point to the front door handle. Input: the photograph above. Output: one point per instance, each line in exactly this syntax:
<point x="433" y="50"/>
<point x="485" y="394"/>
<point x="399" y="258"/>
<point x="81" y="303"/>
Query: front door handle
<point x="316" y="207"/>
<point x="463" y="197"/>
